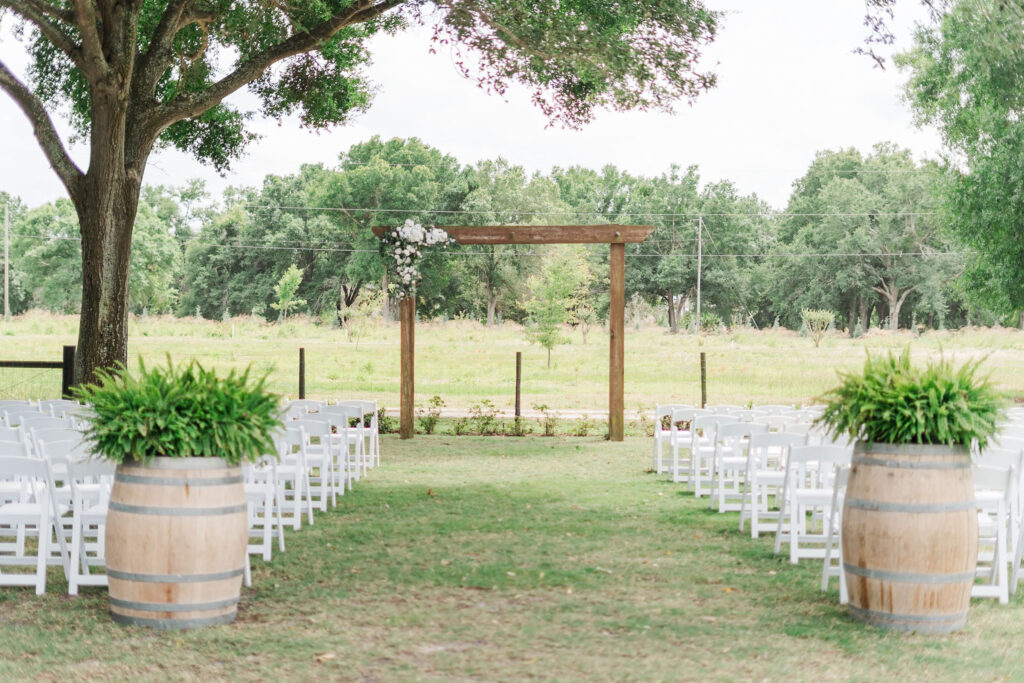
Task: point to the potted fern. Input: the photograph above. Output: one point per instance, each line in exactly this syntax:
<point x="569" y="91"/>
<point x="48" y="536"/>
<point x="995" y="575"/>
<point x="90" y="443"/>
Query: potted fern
<point x="909" y="528"/>
<point x="177" y="526"/>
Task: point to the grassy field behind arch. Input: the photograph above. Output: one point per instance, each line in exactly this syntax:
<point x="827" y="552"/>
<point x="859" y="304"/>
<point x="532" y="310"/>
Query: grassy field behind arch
<point x="465" y="362"/>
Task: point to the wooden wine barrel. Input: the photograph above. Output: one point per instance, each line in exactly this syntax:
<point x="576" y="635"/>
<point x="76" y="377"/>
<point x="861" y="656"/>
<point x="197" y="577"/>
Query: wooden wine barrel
<point x="910" y="536"/>
<point x="176" y="540"/>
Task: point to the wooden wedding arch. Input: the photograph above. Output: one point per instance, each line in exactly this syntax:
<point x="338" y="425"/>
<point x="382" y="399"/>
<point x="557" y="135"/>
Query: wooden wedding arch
<point x="617" y="236"/>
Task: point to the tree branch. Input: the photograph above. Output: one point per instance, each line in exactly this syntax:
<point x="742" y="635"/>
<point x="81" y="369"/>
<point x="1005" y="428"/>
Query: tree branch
<point x="158" y="57"/>
<point x="34" y="13"/>
<point x="44" y="130"/>
<point x="196" y="103"/>
<point x="94" y="61"/>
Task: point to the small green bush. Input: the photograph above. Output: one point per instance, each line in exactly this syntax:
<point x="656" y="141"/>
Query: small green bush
<point x="484" y="416"/>
<point x="816" y="322"/>
<point x="179" y="412"/>
<point x="892" y="401"/>
<point x="549" y="418"/>
<point x="428" y="419"/>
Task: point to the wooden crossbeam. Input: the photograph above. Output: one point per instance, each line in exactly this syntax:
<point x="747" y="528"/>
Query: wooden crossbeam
<point x="544" y="234"/>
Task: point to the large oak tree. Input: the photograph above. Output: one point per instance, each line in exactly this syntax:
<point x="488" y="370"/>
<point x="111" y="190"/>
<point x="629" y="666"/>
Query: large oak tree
<point x="136" y="75"/>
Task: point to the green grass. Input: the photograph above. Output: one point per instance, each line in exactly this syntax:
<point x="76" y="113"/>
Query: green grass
<point x="508" y="559"/>
<point x="465" y="362"/>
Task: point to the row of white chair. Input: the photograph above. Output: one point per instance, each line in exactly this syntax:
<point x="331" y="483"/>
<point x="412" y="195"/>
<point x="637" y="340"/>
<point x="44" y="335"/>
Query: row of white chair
<point x="749" y="466"/>
<point x="321" y="450"/>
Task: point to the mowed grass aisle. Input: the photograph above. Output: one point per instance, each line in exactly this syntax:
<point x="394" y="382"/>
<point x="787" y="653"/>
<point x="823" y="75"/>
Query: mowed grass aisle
<point x="500" y="559"/>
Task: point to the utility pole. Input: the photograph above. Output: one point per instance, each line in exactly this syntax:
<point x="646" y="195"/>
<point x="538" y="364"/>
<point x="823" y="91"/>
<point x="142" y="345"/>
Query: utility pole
<point x="700" y="259"/>
<point x="7" y="260"/>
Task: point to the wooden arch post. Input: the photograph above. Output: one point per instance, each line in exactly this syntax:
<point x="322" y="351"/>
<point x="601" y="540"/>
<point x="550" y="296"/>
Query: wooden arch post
<point x="617" y="236"/>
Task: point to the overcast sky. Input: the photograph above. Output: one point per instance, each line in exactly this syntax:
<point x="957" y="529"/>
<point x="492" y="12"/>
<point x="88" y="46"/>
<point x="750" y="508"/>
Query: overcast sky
<point x="789" y="86"/>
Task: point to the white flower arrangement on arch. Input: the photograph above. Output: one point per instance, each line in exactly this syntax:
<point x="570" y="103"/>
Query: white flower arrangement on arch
<point x="405" y="245"/>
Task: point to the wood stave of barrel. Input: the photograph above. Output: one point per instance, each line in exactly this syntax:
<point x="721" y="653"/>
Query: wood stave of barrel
<point x="176" y="539"/>
<point x="910" y="536"/>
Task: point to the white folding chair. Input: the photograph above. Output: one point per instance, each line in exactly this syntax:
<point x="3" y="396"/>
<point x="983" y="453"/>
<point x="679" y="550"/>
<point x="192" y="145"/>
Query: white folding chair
<point x="994" y="491"/>
<point x="264" y="510"/>
<point x="662" y="434"/>
<point x="765" y="475"/>
<point x="371" y="431"/>
<point x="91" y="482"/>
<point x="833" y="565"/>
<point x="319" y="449"/>
<point x="807" y="498"/>
<point x="680" y="436"/>
<point x="292" y="476"/>
<point x="347" y="440"/>
<point x="31" y="512"/>
<point x="729" y="464"/>
<point x="703" y="430"/>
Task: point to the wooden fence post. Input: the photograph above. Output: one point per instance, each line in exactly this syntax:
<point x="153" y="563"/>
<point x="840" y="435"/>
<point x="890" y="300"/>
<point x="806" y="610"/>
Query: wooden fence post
<point x="519" y="379"/>
<point x="67" y="379"/>
<point x="703" y="380"/>
<point x="302" y="372"/>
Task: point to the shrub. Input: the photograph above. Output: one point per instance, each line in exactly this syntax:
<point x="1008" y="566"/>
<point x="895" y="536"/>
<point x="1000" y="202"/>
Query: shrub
<point x="428" y="420"/>
<point x="892" y="401"/>
<point x="548" y="420"/>
<point x="518" y="427"/>
<point x="385" y="424"/>
<point x="583" y="426"/>
<point x="485" y="418"/>
<point x="817" y="323"/>
<point x="179" y="412"/>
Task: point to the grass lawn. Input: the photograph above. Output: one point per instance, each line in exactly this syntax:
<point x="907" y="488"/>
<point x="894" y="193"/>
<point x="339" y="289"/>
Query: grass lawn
<point x="502" y="558"/>
<point x="465" y="363"/>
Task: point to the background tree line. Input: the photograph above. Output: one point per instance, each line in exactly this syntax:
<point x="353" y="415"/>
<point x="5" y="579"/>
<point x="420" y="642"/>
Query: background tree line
<point x="870" y="237"/>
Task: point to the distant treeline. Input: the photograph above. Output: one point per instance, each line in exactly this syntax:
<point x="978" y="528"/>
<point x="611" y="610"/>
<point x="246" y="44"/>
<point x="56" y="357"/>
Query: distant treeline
<point x="863" y="236"/>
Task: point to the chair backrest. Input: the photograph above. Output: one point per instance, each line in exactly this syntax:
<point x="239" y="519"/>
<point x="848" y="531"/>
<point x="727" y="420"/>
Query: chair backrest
<point x="663" y="410"/>
<point x="366" y="407"/>
<point x="11" y="434"/>
<point x="738" y="430"/>
<point x="1010" y="442"/>
<point x="725" y="409"/>
<point x="342" y="411"/>
<point x="1001" y="479"/>
<point x="14" y="416"/>
<point x="65" y="451"/>
<point x="777" y="440"/>
<point x="836" y="455"/>
<point x="9" y="449"/>
<point x="316" y="425"/>
<point x="16" y="467"/>
<point x="42" y="422"/>
<point x="774" y="408"/>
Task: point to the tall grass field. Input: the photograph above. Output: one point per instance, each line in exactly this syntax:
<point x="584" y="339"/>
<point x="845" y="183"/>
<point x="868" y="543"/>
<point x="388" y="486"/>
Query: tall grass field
<point x="465" y="362"/>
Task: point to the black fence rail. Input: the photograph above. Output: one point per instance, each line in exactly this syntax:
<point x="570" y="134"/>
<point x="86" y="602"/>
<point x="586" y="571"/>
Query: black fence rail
<point x="66" y="365"/>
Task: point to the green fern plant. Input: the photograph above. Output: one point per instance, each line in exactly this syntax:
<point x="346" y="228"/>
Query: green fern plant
<point x="893" y="401"/>
<point x="179" y="412"/>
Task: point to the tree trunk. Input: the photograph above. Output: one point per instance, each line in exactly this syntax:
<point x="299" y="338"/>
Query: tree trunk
<point x="866" y="307"/>
<point x="1020" y="323"/>
<point x="106" y="214"/>
<point x="549" y="358"/>
<point x="673" y="319"/>
<point x="492" y="304"/>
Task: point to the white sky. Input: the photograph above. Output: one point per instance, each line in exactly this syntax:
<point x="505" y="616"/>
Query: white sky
<point x="789" y="86"/>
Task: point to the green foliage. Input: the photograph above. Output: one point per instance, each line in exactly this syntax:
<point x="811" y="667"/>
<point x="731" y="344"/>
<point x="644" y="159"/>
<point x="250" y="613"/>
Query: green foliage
<point x="892" y="401"/>
<point x="285" y="290"/>
<point x="583" y="426"/>
<point x="565" y="272"/>
<point x="549" y="418"/>
<point x="180" y="412"/>
<point x="484" y="416"/>
<point x="817" y="322"/>
<point x="385" y="423"/>
<point x="428" y="419"/>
